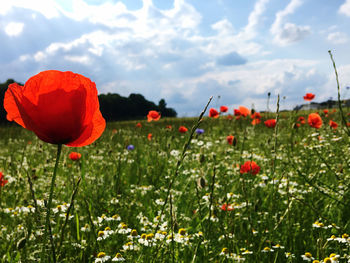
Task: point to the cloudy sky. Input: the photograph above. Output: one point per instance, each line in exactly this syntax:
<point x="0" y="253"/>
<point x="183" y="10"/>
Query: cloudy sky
<point x="184" y="50"/>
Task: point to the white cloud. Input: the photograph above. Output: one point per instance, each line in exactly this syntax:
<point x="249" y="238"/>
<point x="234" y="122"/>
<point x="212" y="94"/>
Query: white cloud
<point x="337" y="38"/>
<point x="345" y="8"/>
<point x="286" y="33"/>
<point x="14" y="29"/>
<point x="254" y="19"/>
<point x="47" y="8"/>
<point x="236" y="86"/>
<point x="79" y="59"/>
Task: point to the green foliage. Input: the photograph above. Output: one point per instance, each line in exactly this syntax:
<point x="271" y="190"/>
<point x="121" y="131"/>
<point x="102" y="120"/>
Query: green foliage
<point x="298" y="200"/>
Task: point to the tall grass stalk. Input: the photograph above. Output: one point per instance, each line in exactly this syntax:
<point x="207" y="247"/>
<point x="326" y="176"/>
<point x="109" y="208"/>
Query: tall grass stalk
<point x="339" y="101"/>
<point x="178" y="164"/>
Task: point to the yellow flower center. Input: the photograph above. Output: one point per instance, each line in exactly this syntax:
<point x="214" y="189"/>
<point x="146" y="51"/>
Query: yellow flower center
<point x="150" y="236"/>
<point x="101" y="254"/>
<point x="100" y="233"/>
<point x="118" y="255"/>
<point x="182" y="231"/>
<point x="225" y="250"/>
<point x="308" y="255"/>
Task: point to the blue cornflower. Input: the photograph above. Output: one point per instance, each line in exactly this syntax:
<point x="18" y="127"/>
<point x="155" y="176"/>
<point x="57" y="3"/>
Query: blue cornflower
<point x="199" y="131"/>
<point x="130" y="147"/>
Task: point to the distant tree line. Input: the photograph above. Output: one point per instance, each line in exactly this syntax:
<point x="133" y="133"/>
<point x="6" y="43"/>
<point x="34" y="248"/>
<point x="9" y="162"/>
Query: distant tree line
<point x="113" y="106"/>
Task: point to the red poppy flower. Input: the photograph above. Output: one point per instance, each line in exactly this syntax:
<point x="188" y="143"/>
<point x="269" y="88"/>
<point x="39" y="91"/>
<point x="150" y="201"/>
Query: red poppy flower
<point x="250" y="167"/>
<point x="271" y="123"/>
<point x="74" y="156"/>
<point x="213" y="113"/>
<point x="153" y="116"/>
<point x="59" y="107"/>
<point x="255" y="121"/>
<point x="325" y="111"/>
<point x="309" y="96"/>
<point x="223" y="108"/>
<point x="314" y="120"/>
<point x="183" y="129"/>
<point x="301" y="119"/>
<point x="149" y="136"/>
<point x="244" y="111"/>
<point x="256" y="115"/>
<point x="236" y="112"/>
<point x="226" y="207"/>
<point x="138" y="125"/>
<point x="2" y="180"/>
<point x="229" y="117"/>
<point x="231" y="140"/>
<point x="168" y="127"/>
<point x="333" y="124"/>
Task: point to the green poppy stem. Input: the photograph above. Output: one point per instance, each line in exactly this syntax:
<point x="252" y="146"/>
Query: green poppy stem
<point x="48" y="207"/>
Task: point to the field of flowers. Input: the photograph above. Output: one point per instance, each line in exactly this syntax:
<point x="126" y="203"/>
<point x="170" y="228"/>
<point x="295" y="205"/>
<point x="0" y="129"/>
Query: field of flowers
<point x="233" y="188"/>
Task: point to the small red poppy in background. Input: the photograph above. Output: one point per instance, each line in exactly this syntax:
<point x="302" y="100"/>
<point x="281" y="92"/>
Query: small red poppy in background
<point x="168" y="127"/>
<point x="183" y="129"/>
<point x="59" y="107"/>
<point x="315" y="120"/>
<point x="223" y="108"/>
<point x="244" y="111"/>
<point x="213" y="113"/>
<point x="250" y="167"/>
<point x="74" y="156"/>
<point x="256" y="121"/>
<point x="271" y="123"/>
<point x="325" y="111"/>
<point x="153" y="116"/>
<point x="226" y="207"/>
<point x="236" y="112"/>
<point x="149" y="136"/>
<point x="301" y="119"/>
<point x="229" y="117"/>
<point x="138" y="125"/>
<point x="309" y="96"/>
<point x="256" y="115"/>
<point x="231" y="140"/>
<point x="2" y="180"/>
<point x="333" y="124"/>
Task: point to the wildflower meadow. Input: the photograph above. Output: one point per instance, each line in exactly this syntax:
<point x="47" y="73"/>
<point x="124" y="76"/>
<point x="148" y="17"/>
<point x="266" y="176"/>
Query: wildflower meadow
<point x="233" y="185"/>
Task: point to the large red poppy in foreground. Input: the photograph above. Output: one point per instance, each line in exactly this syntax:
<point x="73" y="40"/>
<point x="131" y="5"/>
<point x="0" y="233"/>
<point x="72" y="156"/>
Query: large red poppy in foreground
<point x="59" y="107"/>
